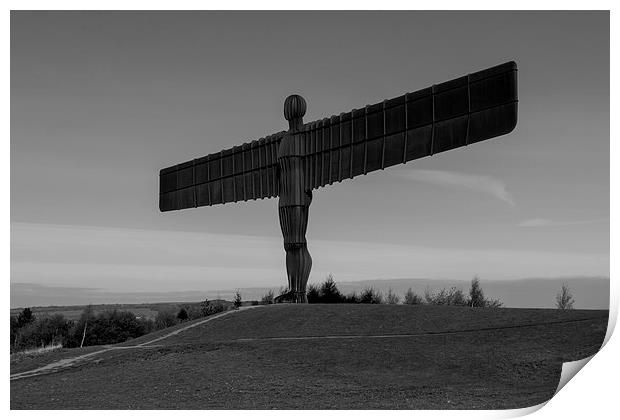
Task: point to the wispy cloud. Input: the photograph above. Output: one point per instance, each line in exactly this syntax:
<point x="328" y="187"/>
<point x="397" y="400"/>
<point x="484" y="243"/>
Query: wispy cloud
<point x="547" y="222"/>
<point x="480" y="183"/>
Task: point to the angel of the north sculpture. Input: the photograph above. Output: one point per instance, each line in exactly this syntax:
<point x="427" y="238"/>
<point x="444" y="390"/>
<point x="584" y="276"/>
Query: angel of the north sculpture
<point x="290" y="164"/>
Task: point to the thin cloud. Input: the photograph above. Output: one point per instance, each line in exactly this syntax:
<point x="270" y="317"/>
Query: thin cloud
<point x="547" y="222"/>
<point x="480" y="183"/>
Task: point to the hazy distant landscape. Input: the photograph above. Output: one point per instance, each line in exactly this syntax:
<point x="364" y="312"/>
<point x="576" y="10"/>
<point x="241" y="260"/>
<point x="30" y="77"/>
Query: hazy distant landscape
<point x="589" y="292"/>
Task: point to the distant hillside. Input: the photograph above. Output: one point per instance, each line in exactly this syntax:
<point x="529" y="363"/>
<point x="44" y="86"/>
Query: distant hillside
<point x="589" y="292"/>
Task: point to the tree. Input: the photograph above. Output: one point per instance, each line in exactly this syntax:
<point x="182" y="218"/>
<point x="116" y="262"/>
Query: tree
<point x="476" y="295"/>
<point x="86" y="315"/>
<point x="25" y="317"/>
<point x="329" y="291"/>
<point x="369" y="295"/>
<point x="564" y="298"/>
<point x="411" y="298"/>
<point x="183" y="315"/>
<point x="313" y="294"/>
<point x="392" y="298"/>
<point x="237" y="301"/>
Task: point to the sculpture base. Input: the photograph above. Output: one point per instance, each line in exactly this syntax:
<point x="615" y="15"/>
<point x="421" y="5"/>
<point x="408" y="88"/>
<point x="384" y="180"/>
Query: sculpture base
<point x="292" y="297"/>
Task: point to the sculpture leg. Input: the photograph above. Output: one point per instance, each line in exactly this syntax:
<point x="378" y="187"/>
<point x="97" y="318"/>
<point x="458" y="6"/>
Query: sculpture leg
<point x="298" y="266"/>
<point x="294" y="221"/>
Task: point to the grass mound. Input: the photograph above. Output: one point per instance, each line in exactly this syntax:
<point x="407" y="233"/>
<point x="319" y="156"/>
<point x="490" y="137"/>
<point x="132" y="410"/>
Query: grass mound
<point x="395" y="356"/>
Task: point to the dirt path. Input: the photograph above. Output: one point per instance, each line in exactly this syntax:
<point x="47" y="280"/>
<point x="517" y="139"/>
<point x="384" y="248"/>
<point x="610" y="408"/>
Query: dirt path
<point x="73" y="361"/>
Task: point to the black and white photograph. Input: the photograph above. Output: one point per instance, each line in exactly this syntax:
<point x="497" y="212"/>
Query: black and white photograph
<point x="306" y="209"/>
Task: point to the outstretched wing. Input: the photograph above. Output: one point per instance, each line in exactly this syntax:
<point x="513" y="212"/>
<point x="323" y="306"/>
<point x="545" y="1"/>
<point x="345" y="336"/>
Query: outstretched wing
<point x="456" y="113"/>
<point x="245" y="172"/>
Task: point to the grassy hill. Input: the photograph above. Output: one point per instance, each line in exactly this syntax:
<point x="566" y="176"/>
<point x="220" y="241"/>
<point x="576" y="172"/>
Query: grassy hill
<point x="329" y="356"/>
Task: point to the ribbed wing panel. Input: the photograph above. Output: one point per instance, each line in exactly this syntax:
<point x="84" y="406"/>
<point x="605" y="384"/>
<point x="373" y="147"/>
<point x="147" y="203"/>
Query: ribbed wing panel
<point x="456" y="113"/>
<point x="245" y="172"/>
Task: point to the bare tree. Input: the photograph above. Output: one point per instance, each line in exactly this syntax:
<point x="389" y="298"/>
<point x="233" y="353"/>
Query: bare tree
<point x="392" y="298"/>
<point x="86" y="314"/>
<point x="564" y="298"/>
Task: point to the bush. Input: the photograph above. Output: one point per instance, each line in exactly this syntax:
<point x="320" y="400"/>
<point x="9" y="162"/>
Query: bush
<point x="352" y="298"/>
<point x="210" y="307"/>
<point x="165" y="319"/>
<point x="313" y="294"/>
<point x="412" y="299"/>
<point x="369" y="295"/>
<point x="109" y="327"/>
<point x="25" y="317"/>
<point x="194" y="311"/>
<point x="54" y="331"/>
<point x="183" y="315"/>
<point x="42" y="332"/>
<point x="450" y="297"/>
<point x="564" y="298"/>
<point x="267" y="299"/>
<point x="392" y="298"/>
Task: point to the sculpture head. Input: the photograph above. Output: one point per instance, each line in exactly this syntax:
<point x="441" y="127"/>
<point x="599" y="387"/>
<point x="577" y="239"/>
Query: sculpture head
<point x="294" y="111"/>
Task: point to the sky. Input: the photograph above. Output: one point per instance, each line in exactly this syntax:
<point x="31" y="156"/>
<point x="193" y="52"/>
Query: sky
<point x="100" y="101"/>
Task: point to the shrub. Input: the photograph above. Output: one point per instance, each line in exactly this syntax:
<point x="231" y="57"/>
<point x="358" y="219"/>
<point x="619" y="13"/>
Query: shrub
<point x="183" y="315"/>
<point x="25" y="317"/>
<point x="55" y="331"/>
<point x="564" y="298"/>
<point x="210" y="307"/>
<point x="352" y="298"/>
<point x="370" y="295"/>
<point x="42" y="332"/>
<point x="412" y="299"/>
<point x="109" y="327"/>
<point x="450" y="297"/>
<point x="194" y="311"/>
<point x="392" y="298"/>
<point x="267" y="299"/>
<point x="493" y="303"/>
<point x="165" y="319"/>
<point x="313" y="294"/>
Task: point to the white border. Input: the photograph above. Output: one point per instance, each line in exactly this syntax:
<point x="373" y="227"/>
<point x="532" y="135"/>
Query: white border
<point x="591" y="394"/>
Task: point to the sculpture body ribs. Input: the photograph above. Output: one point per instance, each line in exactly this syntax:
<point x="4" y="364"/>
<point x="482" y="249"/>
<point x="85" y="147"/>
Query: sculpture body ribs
<point x="294" y="202"/>
<point x="291" y="164"/>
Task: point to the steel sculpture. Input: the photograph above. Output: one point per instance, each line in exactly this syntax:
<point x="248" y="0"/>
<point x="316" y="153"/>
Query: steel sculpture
<point x="290" y="164"/>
